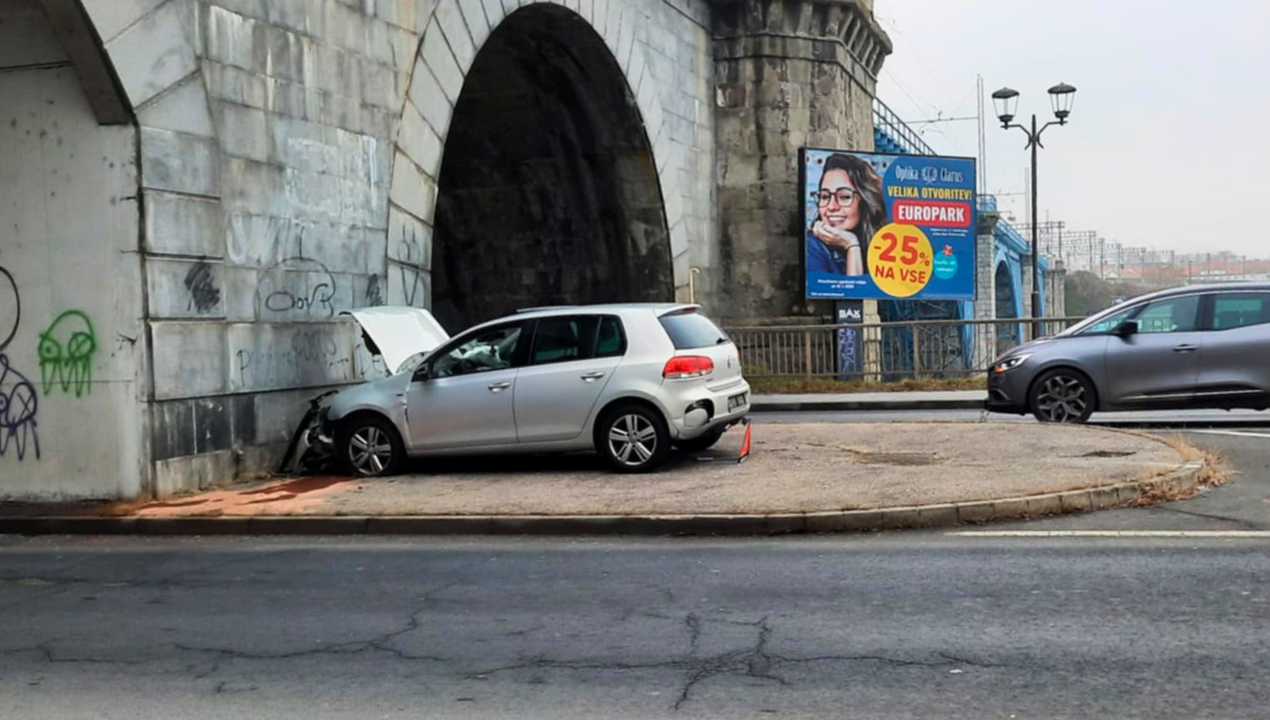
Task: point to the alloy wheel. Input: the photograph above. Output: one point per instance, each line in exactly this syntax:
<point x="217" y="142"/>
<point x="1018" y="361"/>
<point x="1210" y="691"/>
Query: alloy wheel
<point x="369" y="450"/>
<point x="632" y="440"/>
<point x="1062" y="398"/>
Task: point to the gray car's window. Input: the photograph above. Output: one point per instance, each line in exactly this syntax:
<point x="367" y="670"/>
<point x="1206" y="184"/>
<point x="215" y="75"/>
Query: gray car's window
<point x="1237" y="310"/>
<point x="1109" y="323"/>
<point x="493" y="349"/>
<point x="1179" y="314"/>
<point x="611" y="341"/>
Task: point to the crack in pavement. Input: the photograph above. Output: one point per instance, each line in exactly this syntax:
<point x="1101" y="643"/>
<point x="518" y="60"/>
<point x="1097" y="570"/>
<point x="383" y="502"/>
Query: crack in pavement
<point x="754" y="662"/>
<point x="379" y="643"/>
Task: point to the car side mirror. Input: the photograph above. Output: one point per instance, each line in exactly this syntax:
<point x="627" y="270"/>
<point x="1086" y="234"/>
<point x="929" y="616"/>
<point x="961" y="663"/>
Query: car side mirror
<point x="1127" y="328"/>
<point x="422" y="373"/>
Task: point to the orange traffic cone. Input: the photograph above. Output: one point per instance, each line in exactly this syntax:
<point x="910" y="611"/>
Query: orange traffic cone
<point x="745" y="445"/>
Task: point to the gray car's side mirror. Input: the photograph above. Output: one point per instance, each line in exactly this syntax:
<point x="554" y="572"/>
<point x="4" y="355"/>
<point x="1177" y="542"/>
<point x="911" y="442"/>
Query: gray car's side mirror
<point x="1127" y="328"/>
<point x="422" y="373"/>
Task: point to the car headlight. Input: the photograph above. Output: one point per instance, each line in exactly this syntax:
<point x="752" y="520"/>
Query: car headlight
<point x="1010" y="363"/>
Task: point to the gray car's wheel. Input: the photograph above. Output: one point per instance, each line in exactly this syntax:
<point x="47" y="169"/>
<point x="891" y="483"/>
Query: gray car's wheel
<point x="369" y="446"/>
<point x="633" y="439"/>
<point x="1062" y="396"/>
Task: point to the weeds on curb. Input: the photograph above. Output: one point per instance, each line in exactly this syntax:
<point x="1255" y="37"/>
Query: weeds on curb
<point x="1214" y="472"/>
<point x="766" y="385"/>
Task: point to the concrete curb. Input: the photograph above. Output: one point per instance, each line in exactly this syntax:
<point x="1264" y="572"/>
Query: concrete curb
<point x="763" y="406"/>
<point x="1105" y="497"/>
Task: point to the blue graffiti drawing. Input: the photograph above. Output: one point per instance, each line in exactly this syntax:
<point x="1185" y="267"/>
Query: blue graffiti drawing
<point x="18" y="399"/>
<point x="18" y="407"/>
<point x="66" y="354"/>
<point x="847" y="362"/>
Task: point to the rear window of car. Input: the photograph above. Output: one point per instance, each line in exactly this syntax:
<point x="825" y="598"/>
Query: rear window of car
<point x="692" y="330"/>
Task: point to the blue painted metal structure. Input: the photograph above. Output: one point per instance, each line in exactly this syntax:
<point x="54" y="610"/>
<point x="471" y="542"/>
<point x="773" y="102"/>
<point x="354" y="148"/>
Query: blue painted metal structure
<point x="1011" y="250"/>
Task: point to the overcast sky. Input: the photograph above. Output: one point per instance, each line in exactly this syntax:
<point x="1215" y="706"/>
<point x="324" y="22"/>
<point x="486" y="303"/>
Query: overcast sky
<point x="1166" y="145"/>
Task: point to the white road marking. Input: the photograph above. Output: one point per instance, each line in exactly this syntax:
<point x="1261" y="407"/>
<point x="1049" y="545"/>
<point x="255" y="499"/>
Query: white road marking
<point x="1236" y="433"/>
<point x="1114" y="533"/>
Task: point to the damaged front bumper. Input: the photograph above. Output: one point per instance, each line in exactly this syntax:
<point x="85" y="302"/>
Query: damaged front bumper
<point x="312" y="446"/>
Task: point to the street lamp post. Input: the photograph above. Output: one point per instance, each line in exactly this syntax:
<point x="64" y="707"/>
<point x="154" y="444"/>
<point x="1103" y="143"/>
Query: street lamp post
<point x="1006" y="102"/>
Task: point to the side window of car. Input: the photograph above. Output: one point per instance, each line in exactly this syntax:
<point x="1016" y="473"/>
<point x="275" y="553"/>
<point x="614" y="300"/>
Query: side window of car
<point x="1236" y="310"/>
<point x="1110" y="323"/>
<point x="611" y="340"/>
<point x="1178" y="314"/>
<point x="493" y="349"/>
<point x="563" y="339"/>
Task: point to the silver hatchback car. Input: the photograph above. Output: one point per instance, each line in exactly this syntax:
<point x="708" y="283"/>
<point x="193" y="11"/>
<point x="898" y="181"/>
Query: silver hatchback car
<point x="1189" y="347"/>
<point x="629" y="381"/>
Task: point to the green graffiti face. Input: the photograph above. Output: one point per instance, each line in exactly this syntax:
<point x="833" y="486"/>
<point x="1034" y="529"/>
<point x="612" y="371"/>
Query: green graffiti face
<point x="66" y="352"/>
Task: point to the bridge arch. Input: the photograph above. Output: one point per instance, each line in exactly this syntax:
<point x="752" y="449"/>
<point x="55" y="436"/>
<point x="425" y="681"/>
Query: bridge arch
<point x="529" y="134"/>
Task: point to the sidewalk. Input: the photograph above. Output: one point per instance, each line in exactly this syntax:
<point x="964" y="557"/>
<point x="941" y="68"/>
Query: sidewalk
<point x="844" y="402"/>
<point x="800" y="478"/>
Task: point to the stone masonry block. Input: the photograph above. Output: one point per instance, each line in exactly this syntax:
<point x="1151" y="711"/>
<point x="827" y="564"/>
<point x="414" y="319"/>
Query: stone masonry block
<point x="450" y="18"/>
<point x="438" y="58"/>
<point x="419" y="141"/>
<point x="477" y="25"/>
<point x="242" y="131"/>
<point x="178" y="289"/>
<point x="425" y="92"/>
<point x="274" y="356"/>
<point x="180" y="163"/>
<point x="182" y="225"/>
<point x="111" y="17"/>
<point x="190" y="359"/>
<point x="230" y="38"/>
<point x="412" y="190"/>
<point x="182" y="109"/>
<point x="409" y="241"/>
<point x="153" y="54"/>
<point x="494" y="12"/>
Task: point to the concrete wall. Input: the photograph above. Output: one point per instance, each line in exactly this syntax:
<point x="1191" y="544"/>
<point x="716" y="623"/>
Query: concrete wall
<point x="73" y="358"/>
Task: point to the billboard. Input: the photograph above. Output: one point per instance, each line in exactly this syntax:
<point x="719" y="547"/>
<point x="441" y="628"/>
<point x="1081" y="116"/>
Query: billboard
<point x="880" y="226"/>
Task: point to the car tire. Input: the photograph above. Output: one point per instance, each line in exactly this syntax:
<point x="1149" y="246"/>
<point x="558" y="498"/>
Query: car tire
<point x="1062" y="396"/>
<point x="633" y="439"/>
<point x="369" y="446"/>
<point x="701" y="443"/>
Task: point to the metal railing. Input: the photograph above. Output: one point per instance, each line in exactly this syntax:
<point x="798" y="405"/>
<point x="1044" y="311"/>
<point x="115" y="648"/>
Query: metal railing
<point x="883" y="351"/>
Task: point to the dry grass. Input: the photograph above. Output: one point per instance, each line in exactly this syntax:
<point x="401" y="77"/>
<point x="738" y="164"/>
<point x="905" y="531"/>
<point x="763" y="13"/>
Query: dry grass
<point x="777" y="385"/>
<point x="1213" y="473"/>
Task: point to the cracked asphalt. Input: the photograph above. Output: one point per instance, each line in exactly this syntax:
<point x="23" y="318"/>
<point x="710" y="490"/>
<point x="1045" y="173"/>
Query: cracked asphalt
<point x="891" y="625"/>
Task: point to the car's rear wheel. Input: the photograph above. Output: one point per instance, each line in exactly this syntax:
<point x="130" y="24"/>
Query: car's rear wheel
<point x="370" y="447"/>
<point x="701" y="443"/>
<point x="633" y="439"/>
<point x="1062" y="396"/>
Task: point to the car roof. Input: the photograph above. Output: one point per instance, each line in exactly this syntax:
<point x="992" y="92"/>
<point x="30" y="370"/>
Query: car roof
<point x="1206" y="288"/>
<point x="658" y="309"/>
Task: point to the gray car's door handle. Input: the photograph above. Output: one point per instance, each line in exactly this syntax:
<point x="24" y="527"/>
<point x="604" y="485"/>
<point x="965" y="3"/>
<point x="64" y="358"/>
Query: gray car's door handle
<point x="499" y="386"/>
<point x="592" y="376"/>
<point x="1185" y="348"/>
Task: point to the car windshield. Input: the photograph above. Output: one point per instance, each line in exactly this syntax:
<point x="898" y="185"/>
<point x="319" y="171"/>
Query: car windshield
<point x="691" y="330"/>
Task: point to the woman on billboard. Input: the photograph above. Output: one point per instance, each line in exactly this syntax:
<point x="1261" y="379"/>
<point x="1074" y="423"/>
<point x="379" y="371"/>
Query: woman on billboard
<point x="849" y="209"/>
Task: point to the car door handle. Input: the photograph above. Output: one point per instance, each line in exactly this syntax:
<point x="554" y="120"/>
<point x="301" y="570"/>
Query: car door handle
<point x="592" y="376"/>
<point x="1185" y="348"/>
<point x="499" y="386"/>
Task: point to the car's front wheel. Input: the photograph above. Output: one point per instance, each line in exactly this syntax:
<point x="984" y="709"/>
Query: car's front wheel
<point x="633" y="439"/>
<point x="1062" y="396"/>
<point x="370" y="447"/>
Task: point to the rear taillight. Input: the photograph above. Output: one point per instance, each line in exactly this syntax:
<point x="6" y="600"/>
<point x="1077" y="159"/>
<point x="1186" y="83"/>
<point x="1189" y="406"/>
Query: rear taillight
<point x="687" y="367"/>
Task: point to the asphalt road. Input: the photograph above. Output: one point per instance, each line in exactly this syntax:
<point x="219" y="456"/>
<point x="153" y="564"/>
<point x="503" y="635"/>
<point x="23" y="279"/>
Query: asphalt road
<point x="892" y="625"/>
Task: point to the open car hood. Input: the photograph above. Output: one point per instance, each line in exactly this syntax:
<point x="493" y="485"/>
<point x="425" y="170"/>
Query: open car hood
<point x="399" y="333"/>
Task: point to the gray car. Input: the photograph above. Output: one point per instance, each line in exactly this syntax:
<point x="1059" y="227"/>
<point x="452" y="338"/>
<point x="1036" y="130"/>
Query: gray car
<point x="629" y="381"/>
<point x="1189" y="347"/>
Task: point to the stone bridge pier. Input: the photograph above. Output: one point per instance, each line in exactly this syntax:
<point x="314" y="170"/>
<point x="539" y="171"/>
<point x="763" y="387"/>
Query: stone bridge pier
<point x="193" y="191"/>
